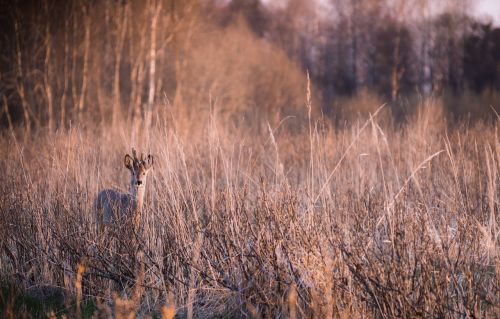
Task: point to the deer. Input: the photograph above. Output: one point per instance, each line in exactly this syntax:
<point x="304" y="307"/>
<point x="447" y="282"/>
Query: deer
<point x="113" y="205"/>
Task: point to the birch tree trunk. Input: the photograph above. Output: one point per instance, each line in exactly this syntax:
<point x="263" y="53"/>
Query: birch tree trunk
<point x="398" y="70"/>
<point x="20" y="80"/>
<point x="86" y="43"/>
<point x="155" y="10"/>
<point x="122" y="28"/>
<point x="65" y="75"/>
<point x="47" y="75"/>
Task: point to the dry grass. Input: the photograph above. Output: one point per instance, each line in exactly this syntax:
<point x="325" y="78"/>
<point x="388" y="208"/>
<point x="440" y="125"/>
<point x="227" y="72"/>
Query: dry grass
<point x="257" y="206"/>
<point x="366" y="221"/>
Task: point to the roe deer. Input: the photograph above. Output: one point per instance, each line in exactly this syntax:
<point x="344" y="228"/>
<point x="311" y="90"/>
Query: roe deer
<point x="113" y="205"/>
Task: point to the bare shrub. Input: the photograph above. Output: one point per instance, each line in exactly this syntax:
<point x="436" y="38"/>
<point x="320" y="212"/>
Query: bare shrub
<point x="247" y="78"/>
<point x="360" y="106"/>
<point x="232" y="224"/>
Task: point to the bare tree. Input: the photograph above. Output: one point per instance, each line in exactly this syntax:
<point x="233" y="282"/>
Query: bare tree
<point x="121" y="33"/>
<point x="65" y="74"/>
<point x="47" y="74"/>
<point x="86" y="49"/>
<point x="155" y="7"/>
<point x="21" y="91"/>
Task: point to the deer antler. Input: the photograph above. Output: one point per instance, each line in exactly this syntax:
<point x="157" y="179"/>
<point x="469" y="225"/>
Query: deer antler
<point x="144" y="160"/>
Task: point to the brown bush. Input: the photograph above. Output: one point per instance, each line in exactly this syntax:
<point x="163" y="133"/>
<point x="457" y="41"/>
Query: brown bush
<point x="371" y="223"/>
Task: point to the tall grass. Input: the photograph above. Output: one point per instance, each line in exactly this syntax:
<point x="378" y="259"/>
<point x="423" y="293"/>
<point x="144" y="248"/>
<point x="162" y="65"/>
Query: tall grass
<point x="365" y="221"/>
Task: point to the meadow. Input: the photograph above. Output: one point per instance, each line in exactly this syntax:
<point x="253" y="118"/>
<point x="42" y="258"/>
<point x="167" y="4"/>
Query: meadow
<point x="370" y="220"/>
<point x="310" y="161"/>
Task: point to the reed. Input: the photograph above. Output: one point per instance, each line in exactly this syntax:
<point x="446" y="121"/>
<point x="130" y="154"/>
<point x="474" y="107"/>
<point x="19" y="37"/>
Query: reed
<point x="367" y="221"/>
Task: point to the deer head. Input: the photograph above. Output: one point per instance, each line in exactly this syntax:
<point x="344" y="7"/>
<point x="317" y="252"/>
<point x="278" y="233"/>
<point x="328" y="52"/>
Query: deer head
<point x="139" y="168"/>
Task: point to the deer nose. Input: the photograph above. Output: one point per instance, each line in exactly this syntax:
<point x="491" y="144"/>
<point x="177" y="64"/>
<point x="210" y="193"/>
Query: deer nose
<point x="139" y="182"/>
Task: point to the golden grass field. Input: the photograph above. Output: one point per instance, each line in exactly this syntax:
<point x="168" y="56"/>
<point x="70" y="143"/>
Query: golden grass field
<point x="312" y="159"/>
<point x="368" y="220"/>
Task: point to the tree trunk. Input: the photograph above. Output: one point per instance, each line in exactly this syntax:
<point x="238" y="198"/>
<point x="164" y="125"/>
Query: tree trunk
<point x="81" y="100"/>
<point x="65" y="75"/>
<point x="20" y="81"/>
<point x="122" y="29"/>
<point x="47" y="76"/>
<point x="155" y="11"/>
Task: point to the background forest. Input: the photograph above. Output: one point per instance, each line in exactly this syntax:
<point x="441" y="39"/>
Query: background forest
<point x="109" y="60"/>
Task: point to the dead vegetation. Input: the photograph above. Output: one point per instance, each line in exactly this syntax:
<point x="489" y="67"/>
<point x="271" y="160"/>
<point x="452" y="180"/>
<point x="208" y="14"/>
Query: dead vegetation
<point x="268" y="198"/>
<point x="366" y="221"/>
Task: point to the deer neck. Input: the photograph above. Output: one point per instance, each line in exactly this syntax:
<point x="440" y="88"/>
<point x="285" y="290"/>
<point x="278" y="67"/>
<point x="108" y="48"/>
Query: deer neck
<point x="138" y="197"/>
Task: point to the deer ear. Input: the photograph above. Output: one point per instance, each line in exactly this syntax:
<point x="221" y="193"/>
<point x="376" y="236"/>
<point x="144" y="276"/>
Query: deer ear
<point x="129" y="162"/>
<point x="149" y="161"/>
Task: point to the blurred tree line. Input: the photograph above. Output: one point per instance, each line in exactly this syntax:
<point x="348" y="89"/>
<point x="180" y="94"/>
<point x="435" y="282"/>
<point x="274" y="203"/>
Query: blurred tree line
<point x="393" y="47"/>
<point x="61" y="61"/>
